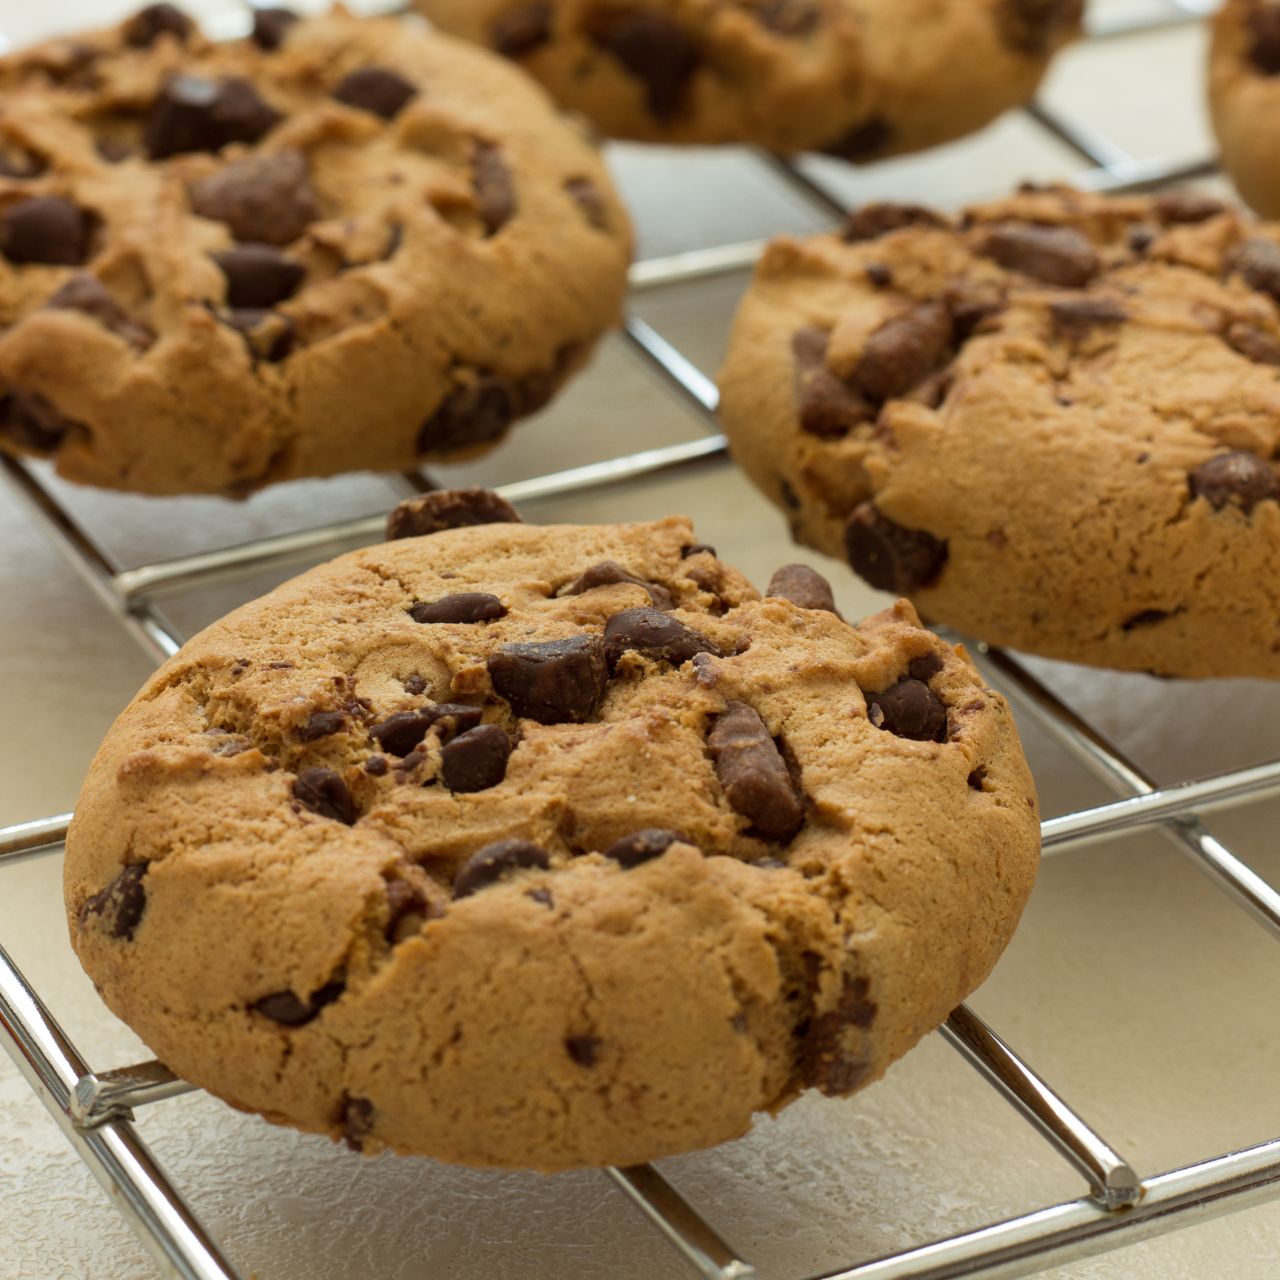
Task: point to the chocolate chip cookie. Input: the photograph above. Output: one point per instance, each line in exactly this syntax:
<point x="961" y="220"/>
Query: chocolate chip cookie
<point x="859" y="79"/>
<point x="1054" y="423"/>
<point x="547" y="847"/>
<point x="339" y="244"/>
<point x="1244" y="97"/>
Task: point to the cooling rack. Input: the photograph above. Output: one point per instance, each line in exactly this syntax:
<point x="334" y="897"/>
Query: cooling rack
<point x="95" y="1108"/>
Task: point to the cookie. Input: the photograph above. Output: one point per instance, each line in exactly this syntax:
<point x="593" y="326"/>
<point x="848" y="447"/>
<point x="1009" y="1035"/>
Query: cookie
<point x="1053" y="423"/>
<point x="1244" y="99"/>
<point x="547" y="847"/>
<point x="859" y="79"/>
<point x="339" y="244"/>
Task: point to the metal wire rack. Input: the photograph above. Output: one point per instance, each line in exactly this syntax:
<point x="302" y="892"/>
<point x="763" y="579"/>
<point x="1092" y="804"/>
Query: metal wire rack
<point x="95" y="1108"/>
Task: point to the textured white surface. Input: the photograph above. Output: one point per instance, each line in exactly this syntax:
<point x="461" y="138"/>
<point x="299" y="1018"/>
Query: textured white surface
<point x="1144" y="997"/>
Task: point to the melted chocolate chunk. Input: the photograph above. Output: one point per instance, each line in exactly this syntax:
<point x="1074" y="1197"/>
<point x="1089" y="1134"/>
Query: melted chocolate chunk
<point x="1258" y="261"/>
<point x="925" y="667"/>
<point x="889" y="556"/>
<point x="45" y="229"/>
<point x="1032" y="26"/>
<point x="259" y="276"/>
<point x="325" y="793"/>
<point x="521" y="30"/>
<point x="476" y="412"/>
<point x="476" y="760"/>
<point x="266" y="199"/>
<point x="590" y="199"/>
<point x="584" y="1050"/>
<point x="754" y="775"/>
<point x="1240" y="479"/>
<point x="357" y="1121"/>
<point x="1187" y="206"/>
<point x="322" y="724"/>
<point x="864" y="141"/>
<point x="1263" y="25"/>
<point x="1251" y="341"/>
<point x="1075" y="318"/>
<point x="872" y="221"/>
<point x="89" y="295"/>
<point x="271" y="26"/>
<point x="494" y="187"/>
<point x="495" y="861"/>
<point x="903" y="351"/>
<point x="290" y="1011"/>
<point x="803" y="586"/>
<point x="910" y="709"/>
<point x="828" y="407"/>
<point x="449" y="509"/>
<point x="552" y="681"/>
<point x="1147" y="618"/>
<point x="655" y="634"/>
<point x="399" y="734"/>
<point x="609" y="573"/>
<point x="642" y="846"/>
<point x="789" y="17"/>
<point x="972" y="306"/>
<point x="29" y="420"/>
<point x="268" y="334"/>
<point x="376" y="767"/>
<point x="121" y="904"/>
<point x="465" y="606"/>
<point x="697" y="549"/>
<point x="1060" y="256"/>
<point x="406" y="910"/>
<point x="378" y="90"/>
<point x="658" y="52"/>
<point x="149" y="24"/>
<point x="194" y="114"/>
<point x="827" y="1062"/>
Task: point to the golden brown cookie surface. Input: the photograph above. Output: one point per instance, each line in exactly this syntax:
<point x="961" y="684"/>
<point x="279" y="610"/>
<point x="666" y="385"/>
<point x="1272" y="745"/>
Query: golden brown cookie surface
<point x="339" y="244"/>
<point x="1053" y="424"/>
<point x="547" y="847"/>
<point x="857" y="78"/>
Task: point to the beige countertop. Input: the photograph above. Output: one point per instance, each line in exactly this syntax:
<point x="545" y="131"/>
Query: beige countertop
<point x="1134" y="985"/>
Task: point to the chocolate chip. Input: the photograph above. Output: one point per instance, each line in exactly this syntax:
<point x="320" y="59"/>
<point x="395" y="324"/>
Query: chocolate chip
<point x="45" y="229"/>
<point x="29" y="420"/>
<point x="655" y="634"/>
<point x="584" y="1050"/>
<point x="1187" y="206"/>
<point x="975" y="779"/>
<point x="379" y="90"/>
<point x="267" y="199"/>
<point x="465" y="606"/>
<point x="268" y="334"/>
<point x="325" y="793"/>
<point x="287" y="1009"/>
<point x="609" y="573"/>
<point x="476" y="760"/>
<point x="889" y="556"/>
<point x="879" y="276"/>
<point x="1055" y="255"/>
<point x="1147" y="618"/>
<point x="259" y="276"/>
<point x="658" y="52"/>
<point x="1140" y="239"/>
<point x="1264" y="35"/>
<point x="971" y="307"/>
<point x="521" y="30"/>
<point x="1032" y="26"/>
<point x="357" y="1121"/>
<point x="195" y="114"/>
<point x="875" y="220"/>
<point x="804" y="587"/>
<point x="376" y="767"/>
<point x="121" y="904"/>
<point x="925" y="667"/>
<point x="697" y="549"/>
<point x="827" y="406"/>
<point x="415" y="684"/>
<point x="322" y="724"/>
<point x="1075" y="318"/>
<point x="642" y="846"/>
<point x="1238" y="479"/>
<point x="903" y="351"/>
<point x="754" y="775"/>
<point x="553" y="681"/>
<point x="149" y="24"/>
<point x="864" y="141"/>
<point x="89" y="295"/>
<point x="789" y="17"/>
<point x="589" y="198"/>
<point x="406" y="910"/>
<point x="397" y="735"/>
<point x="449" y="509"/>
<point x="494" y="187"/>
<point x="495" y="861"/>
<point x="476" y="412"/>
<point x="910" y="709"/>
<point x="1258" y="261"/>
<point x="271" y="26"/>
<point x="1251" y="341"/>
